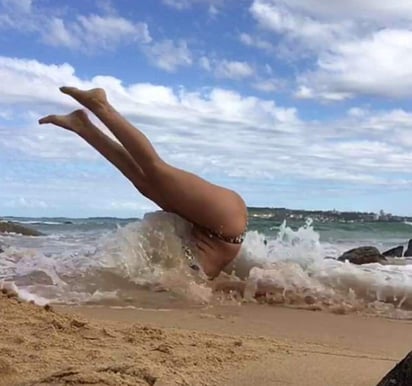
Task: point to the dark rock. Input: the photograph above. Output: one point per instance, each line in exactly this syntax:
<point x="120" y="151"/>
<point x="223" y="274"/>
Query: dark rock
<point x="400" y="375"/>
<point x="363" y="255"/>
<point x="408" y="252"/>
<point x="11" y="227"/>
<point x="394" y="252"/>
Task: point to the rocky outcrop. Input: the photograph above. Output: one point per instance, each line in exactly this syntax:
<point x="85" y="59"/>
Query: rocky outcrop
<point x="363" y="255"/>
<point x="394" y="252"/>
<point x="400" y="375"/>
<point x="408" y="251"/>
<point x="11" y="227"/>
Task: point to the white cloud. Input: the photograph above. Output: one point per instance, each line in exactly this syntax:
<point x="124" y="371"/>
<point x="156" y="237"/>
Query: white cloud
<point x="213" y="11"/>
<point x="233" y="70"/>
<point x="266" y="85"/>
<point x="357" y="48"/>
<point x="178" y="4"/>
<point x="205" y="114"/>
<point x="18" y="74"/>
<point x="15" y="14"/>
<point x="330" y="16"/>
<point x="169" y="55"/>
<point x="17" y="5"/>
<point x="41" y="142"/>
<point x="250" y="137"/>
<point x="186" y="4"/>
<point x="94" y="32"/>
<point x="205" y="64"/>
<point x="304" y="92"/>
<point x="227" y="69"/>
<point x="6" y="114"/>
<point x="81" y="32"/>
<point x="380" y="64"/>
<point x="277" y="17"/>
<point x="58" y="35"/>
<point x="375" y="10"/>
<point x="357" y="112"/>
<point x="111" y="28"/>
<point x="257" y="42"/>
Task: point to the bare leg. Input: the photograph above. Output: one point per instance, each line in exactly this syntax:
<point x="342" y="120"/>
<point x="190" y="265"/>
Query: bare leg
<point x="79" y="123"/>
<point x="134" y="141"/>
<point x="186" y="194"/>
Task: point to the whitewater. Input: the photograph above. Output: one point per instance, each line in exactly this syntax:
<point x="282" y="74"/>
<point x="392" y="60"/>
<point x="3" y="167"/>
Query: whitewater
<point x="139" y="263"/>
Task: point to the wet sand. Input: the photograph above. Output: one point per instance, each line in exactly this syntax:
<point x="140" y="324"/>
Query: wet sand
<point x="219" y="345"/>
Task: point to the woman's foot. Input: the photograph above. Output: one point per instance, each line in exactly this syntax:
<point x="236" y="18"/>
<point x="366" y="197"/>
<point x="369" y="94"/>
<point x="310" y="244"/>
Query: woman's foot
<point x="92" y="99"/>
<point x="75" y="121"/>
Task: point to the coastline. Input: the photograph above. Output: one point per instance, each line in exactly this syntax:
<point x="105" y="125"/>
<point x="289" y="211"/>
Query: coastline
<point x="219" y="345"/>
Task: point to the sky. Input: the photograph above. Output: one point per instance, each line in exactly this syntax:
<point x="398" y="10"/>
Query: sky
<point x="292" y="103"/>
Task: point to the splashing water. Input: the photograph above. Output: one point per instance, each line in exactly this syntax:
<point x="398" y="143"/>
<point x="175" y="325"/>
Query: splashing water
<point x="142" y="262"/>
<point x="292" y="270"/>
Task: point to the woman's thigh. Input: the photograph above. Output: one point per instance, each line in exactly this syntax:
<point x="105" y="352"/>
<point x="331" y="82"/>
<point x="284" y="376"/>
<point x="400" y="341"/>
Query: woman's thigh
<point x="198" y="200"/>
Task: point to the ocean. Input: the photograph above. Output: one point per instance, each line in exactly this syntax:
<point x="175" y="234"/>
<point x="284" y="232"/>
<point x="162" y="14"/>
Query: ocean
<point x="139" y="263"/>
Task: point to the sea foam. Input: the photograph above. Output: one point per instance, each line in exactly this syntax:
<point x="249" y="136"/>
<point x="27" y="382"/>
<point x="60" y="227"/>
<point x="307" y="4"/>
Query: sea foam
<point x="287" y="266"/>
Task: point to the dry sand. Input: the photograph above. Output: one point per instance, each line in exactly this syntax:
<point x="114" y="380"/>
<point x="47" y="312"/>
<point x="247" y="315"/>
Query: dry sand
<point x="220" y="345"/>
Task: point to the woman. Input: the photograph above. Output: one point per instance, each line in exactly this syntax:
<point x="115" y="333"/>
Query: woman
<point x="218" y="215"/>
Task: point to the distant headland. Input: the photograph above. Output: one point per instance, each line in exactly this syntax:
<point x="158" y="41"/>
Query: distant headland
<point x="274" y="214"/>
<point x="281" y="214"/>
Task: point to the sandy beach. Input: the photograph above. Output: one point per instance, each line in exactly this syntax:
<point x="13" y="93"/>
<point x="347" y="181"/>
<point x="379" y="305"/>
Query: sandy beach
<point x="214" y="345"/>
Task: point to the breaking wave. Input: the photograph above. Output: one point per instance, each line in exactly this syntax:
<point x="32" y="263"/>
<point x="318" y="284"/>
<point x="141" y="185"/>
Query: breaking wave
<point x="142" y="264"/>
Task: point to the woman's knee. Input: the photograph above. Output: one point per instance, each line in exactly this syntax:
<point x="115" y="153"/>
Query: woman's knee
<point x="236" y="216"/>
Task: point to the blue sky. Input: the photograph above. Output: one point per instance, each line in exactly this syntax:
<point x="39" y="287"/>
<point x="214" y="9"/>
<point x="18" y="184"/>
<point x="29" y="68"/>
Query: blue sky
<point x="295" y="103"/>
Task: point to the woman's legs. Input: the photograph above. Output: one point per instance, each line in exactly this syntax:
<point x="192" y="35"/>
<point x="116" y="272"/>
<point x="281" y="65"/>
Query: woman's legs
<point x="184" y="193"/>
<point x="79" y="123"/>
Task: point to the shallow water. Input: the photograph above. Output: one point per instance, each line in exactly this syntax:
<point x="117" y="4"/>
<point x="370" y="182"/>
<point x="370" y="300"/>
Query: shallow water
<point x="132" y="262"/>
